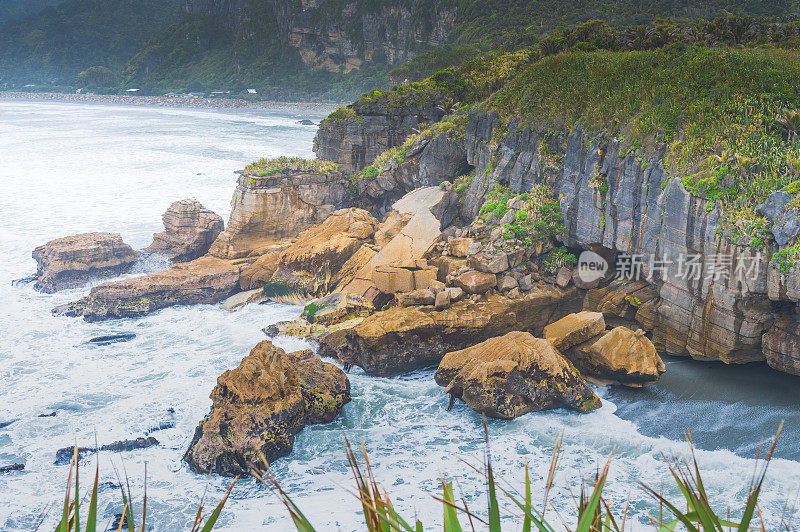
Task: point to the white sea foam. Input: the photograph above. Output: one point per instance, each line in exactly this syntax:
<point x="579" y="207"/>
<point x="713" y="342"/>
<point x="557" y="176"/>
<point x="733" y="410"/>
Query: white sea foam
<point x="69" y="168"/>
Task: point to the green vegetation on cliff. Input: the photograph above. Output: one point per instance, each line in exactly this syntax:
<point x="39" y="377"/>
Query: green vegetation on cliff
<point x="280" y="165"/>
<point x="59" y="42"/>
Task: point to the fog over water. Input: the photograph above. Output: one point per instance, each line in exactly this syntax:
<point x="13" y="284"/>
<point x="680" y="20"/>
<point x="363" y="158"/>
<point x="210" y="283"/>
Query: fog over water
<point x="69" y="168"/>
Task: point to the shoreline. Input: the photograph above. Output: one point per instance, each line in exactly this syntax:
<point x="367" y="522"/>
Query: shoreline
<point x="163" y="101"/>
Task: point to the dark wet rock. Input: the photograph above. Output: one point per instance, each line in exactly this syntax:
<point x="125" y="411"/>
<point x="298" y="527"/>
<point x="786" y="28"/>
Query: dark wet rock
<point x="112" y="339"/>
<point x="64" y="455"/>
<point x="259" y="406"/>
<point x="72" y="261"/>
<point x="403" y="339"/>
<point x="12" y="467"/>
<point x="4" y="424"/>
<point x="24" y="280"/>
<point x="206" y="280"/>
<point x="306" y="122"/>
<point x="51" y="414"/>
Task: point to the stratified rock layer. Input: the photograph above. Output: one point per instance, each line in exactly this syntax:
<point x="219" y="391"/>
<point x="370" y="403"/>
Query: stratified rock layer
<point x="204" y="280"/>
<point x="403" y="339"/>
<point x="189" y="230"/>
<point x="71" y="261"/>
<point x="620" y="355"/>
<point x="514" y="374"/>
<point x="271" y="209"/>
<point x="259" y="406"/>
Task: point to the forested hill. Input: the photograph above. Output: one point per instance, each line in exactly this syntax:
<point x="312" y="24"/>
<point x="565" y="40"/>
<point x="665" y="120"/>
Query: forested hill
<point x="304" y="49"/>
<point x="336" y="48"/>
<point x="57" y="43"/>
<point x="11" y="9"/>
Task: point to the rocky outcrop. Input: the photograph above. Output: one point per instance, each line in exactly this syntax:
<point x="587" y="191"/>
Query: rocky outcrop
<point x="260" y="271"/>
<point x="72" y="261"/>
<point x="356" y="135"/>
<point x="782" y="344"/>
<point x="640" y="212"/>
<point x="307" y="36"/>
<point x="619" y="355"/>
<point x="333" y="312"/>
<point x="189" y="230"/>
<point x="314" y="264"/>
<point x="424" y="160"/>
<point x="511" y="375"/>
<point x="399" y="265"/>
<point x="259" y="406"/>
<point x="204" y="280"/>
<point x="403" y="339"/>
<point x="270" y="209"/>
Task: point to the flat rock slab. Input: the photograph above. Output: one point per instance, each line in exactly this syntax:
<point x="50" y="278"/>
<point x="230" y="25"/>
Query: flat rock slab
<point x="72" y="261"/>
<point x="205" y="280"/>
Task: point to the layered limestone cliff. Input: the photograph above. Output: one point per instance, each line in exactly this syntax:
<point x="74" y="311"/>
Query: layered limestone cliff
<point x="278" y="205"/>
<point x="735" y="306"/>
<point x="354" y="136"/>
<point x="326" y="36"/>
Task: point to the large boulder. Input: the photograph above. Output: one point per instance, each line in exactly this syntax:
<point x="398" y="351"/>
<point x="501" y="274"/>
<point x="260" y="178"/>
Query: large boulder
<point x="72" y="261"/>
<point x="314" y="264"/>
<point x="620" y="355"/>
<point x="205" y="280"/>
<point x="574" y="329"/>
<point x="278" y="204"/>
<point x="189" y="230"/>
<point x="514" y="374"/>
<point x="403" y="339"/>
<point x="259" y="406"/>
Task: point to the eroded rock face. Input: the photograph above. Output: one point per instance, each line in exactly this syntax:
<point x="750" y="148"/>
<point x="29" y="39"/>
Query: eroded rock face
<point x="189" y="230"/>
<point x="356" y="140"/>
<point x="403" y="339"/>
<point x="645" y="212"/>
<point x="620" y="355"/>
<point x="260" y="272"/>
<point x="271" y="209"/>
<point x="205" y="280"/>
<point x="314" y="264"/>
<point x="325" y="388"/>
<point x="514" y="374"/>
<point x="333" y="312"/>
<point x="72" y="261"/>
<point x="259" y="406"/>
<point x="782" y="344"/>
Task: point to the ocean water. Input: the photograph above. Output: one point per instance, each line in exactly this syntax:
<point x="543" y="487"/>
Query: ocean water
<point x="68" y="168"/>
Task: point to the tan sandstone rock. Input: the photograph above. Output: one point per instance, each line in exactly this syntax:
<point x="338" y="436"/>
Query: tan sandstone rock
<point x="574" y="329"/>
<point x="260" y="272"/>
<point x="273" y="208"/>
<point x="204" y="280"/>
<point x="259" y="406"/>
<point x="313" y="263"/>
<point x="620" y="355"/>
<point x="511" y="375"/>
<point x="474" y="282"/>
<point x="403" y="339"/>
<point x="72" y="261"/>
<point x="189" y="230"/>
